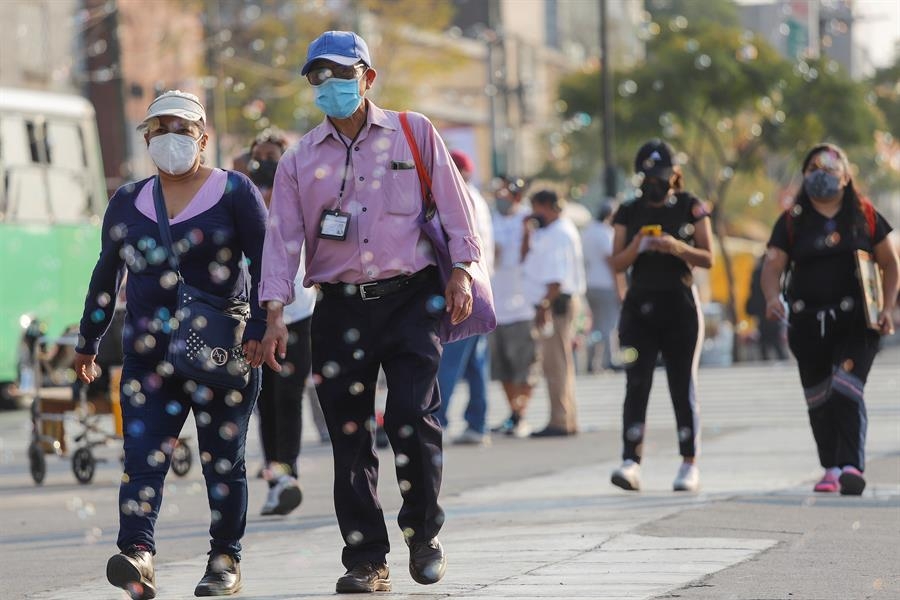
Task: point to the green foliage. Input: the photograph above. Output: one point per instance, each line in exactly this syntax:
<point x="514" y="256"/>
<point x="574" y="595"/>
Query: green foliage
<point x="886" y="90"/>
<point x="727" y="100"/>
<point x="721" y="13"/>
<point x="255" y="56"/>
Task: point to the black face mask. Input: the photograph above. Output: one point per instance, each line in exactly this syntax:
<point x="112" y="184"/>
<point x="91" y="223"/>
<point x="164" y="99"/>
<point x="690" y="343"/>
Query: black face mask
<point x="654" y="190"/>
<point x="262" y="172"/>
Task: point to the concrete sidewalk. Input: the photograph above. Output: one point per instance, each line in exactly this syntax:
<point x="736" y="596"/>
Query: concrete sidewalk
<point x="570" y="534"/>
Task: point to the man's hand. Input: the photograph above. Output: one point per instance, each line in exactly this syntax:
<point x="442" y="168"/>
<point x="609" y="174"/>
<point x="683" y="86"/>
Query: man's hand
<point x="85" y="368"/>
<point x="275" y="338"/>
<point x="458" y="296"/>
<point x="253" y="352"/>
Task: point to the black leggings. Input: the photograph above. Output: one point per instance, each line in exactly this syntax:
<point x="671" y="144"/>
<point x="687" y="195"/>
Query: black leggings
<point x="668" y="322"/>
<point x="281" y="400"/>
<point x="835" y="351"/>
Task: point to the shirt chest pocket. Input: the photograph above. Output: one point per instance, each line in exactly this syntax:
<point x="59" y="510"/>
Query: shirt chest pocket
<point x="402" y="192"/>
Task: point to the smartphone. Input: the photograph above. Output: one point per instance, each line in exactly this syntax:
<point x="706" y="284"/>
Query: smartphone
<point x="652" y="230"/>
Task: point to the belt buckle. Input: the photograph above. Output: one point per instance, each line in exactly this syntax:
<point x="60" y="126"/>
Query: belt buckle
<point x="362" y="290"/>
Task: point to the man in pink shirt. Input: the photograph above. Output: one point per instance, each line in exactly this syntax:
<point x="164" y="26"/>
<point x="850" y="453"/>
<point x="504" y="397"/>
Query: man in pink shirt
<point x="349" y="193"/>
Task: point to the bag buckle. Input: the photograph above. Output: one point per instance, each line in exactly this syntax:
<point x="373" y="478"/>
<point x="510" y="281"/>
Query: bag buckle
<point x="364" y="294"/>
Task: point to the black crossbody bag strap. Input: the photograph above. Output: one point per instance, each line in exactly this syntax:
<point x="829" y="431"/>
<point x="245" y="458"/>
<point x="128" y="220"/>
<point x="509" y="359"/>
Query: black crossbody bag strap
<point x="162" y="221"/>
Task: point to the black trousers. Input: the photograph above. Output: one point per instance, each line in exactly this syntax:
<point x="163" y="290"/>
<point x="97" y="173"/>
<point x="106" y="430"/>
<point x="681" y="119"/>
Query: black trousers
<point x="835" y="351"/>
<point x="351" y="339"/>
<point x="281" y="400"/>
<point x="654" y="322"/>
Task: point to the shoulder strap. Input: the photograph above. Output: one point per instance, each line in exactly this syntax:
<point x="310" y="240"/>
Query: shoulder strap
<point x="869" y="212"/>
<point x="424" y="179"/>
<point x="162" y="221"/>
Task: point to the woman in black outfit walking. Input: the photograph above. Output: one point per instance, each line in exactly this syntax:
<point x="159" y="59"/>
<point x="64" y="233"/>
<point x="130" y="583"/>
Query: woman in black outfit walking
<point x="816" y="241"/>
<point x="661" y="236"/>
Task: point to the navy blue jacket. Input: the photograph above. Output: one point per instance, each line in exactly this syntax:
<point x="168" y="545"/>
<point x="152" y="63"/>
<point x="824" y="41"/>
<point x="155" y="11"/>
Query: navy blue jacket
<point x="211" y="246"/>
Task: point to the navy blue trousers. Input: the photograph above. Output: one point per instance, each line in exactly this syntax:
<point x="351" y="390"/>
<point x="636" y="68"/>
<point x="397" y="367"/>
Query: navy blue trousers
<point x="154" y="409"/>
<point x="351" y="339"/>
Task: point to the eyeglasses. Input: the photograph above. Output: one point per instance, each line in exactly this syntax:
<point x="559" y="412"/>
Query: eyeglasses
<point x="317" y="77"/>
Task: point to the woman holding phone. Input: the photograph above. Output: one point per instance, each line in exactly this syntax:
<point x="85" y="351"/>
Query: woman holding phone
<point x="661" y="236"/>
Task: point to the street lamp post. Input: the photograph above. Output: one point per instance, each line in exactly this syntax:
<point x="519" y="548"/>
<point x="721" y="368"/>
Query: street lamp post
<point x="609" y="170"/>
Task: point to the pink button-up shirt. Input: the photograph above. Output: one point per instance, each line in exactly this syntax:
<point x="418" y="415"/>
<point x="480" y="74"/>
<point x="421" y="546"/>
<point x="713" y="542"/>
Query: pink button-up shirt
<point x="382" y="196"/>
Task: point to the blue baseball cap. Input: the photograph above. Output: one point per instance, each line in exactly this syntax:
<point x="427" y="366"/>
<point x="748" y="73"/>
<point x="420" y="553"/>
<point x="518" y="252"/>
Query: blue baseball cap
<point x="343" y="47"/>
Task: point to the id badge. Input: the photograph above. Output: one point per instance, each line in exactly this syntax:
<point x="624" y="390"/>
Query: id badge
<point x="334" y="225"/>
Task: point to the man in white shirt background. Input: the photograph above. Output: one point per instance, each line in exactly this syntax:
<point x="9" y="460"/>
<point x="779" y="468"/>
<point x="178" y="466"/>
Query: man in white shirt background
<point x="555" y="264"/>
<point x="604" y="290"/>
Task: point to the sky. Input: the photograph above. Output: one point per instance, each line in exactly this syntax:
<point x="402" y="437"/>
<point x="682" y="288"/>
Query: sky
<point x="878" y="28"/>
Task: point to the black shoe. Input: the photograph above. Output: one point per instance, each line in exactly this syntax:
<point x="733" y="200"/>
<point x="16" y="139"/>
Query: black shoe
<point x="365" y="577"/>
<point x="222" y="577"/>
<point x="552" y="432"/>
<point x="427" y="561"/>
<point x="132" y="570"/>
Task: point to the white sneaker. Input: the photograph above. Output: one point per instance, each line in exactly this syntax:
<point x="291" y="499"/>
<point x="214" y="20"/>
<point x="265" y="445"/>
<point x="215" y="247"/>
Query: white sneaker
<point x="286" y="495"/>
<point x="627" y="476"/>
<point x="521" y="429"/>
<point x="688" y="478"/>
<point x="472" y="437"/>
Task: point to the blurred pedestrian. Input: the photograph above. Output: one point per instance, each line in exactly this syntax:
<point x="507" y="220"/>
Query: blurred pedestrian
<point x="771" y="332"/>
<point x="605" y="289"/>
<point x="349" y="192"/>
<point x="816" y="243"/>
<point x="216" y="218"/>
<point x="513" y="345"/>
<point x="555" y="265"/>
<point x="280" y="403"/>
<point x="661" y="236"/>
<point x="469" y="357"/>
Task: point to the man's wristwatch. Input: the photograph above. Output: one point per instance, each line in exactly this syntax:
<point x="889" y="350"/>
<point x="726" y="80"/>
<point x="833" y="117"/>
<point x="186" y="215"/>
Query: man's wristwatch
<point x="465" y="267"/>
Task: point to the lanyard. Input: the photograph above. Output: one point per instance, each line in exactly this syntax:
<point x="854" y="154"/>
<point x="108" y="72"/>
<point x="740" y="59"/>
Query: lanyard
<point x="349" y="147"/>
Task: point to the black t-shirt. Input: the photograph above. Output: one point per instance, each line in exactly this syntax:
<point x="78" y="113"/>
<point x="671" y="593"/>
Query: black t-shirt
<point x="822" y="253"/>
<point x="655" y="270"/>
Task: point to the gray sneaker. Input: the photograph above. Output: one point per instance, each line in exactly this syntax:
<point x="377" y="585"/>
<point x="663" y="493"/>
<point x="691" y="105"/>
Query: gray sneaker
<point x="283" y="497"/>
<point x="472" y="437"/>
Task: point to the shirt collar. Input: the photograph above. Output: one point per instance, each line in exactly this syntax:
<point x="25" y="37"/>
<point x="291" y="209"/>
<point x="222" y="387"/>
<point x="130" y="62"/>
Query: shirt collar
<point x="374" y="116"/>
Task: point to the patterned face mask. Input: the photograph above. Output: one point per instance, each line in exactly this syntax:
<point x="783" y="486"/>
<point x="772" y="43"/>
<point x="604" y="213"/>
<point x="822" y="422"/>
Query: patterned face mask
<point x="822" y="184"/>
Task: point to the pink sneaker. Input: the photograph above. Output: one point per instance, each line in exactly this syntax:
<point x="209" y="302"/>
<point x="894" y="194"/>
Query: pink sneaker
<point x="829" y="482"/>
<point x="852" y="482"/>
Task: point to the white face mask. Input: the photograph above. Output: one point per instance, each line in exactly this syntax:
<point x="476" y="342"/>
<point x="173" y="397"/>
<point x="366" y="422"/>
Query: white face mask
<point x="174" y="153"/>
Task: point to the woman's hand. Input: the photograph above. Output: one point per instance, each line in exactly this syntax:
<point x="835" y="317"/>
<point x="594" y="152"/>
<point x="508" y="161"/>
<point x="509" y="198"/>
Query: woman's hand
<point x="664" y="243"/>
<point x="85" y="368"/>
<point x="775" y="309"/>
<point x="886" y="323"/>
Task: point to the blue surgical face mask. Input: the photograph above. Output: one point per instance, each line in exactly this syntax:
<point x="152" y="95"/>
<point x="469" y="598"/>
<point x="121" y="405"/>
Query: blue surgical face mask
<point x="338" y="98"/>
<point x="822" y="184"/>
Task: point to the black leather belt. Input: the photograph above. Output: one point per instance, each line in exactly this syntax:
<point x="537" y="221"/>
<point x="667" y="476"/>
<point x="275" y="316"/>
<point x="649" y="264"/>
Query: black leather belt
<point x="376" y="289"/>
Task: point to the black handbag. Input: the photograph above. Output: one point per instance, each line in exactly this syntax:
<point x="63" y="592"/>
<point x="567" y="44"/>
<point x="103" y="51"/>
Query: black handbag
<point x="205" y="346"/>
